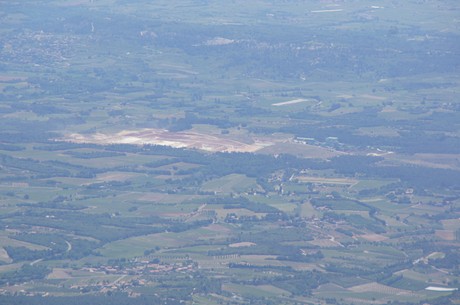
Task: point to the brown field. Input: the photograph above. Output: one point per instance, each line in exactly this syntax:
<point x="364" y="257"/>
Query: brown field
<point x="265" y="260"/>
<point x="446" y="161"/>
<point x="5" y="241"/>
<point x="253" y="259"/>
<point x="174" y="215"/>
<point x="181" y="165"/>
<point x="445" y="234"/>
<point x="373" y="237"/>
<point x="303" y="150"/>
<point x="273" y="289"/>
<point x="10" y="267"/>
<point x="218" y="228"/>
<point x="378" y="131"/>
<point x="343" y="181"/>
<point x="183" y="139"/>
<point x="376" y="287"/>
<point x="373" y="97"/>
<point x="6" y="78"/>
<point x="73" y="3"/>
<point x="59" y="273"/>
<point x="330" y="288"/>
<point x="451" y="224"/>
<point x="162" y="197"/>
<point x="115" y="176"/>
<point x="324" y="243"/>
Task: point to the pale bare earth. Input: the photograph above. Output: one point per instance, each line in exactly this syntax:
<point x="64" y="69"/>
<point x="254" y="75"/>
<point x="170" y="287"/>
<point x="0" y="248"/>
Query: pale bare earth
<point x="273" y="144"/>
<point x="174" y="139"/>
<point x="242" y="244"/>
<point x="440" y="289"/>
<point x="296" y="101"/>
<point x="4" y="256"/>
<point x="327" y="11"/>
<point x="345" y="96"/>
<point x="219" y="41"/>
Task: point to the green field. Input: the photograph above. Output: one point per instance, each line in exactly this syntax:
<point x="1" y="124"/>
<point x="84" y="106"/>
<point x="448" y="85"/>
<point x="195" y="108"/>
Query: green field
<point x="239" y="152"/>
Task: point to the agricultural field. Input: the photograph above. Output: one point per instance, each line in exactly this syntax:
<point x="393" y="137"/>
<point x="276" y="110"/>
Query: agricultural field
<point x="229" y="152"/>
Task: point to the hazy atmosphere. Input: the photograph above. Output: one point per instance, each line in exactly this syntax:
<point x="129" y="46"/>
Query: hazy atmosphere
<point x="229" y="152"/>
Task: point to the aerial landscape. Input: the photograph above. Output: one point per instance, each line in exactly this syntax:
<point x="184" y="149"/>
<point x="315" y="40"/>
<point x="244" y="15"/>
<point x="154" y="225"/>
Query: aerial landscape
<point x="229" y="152"/>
